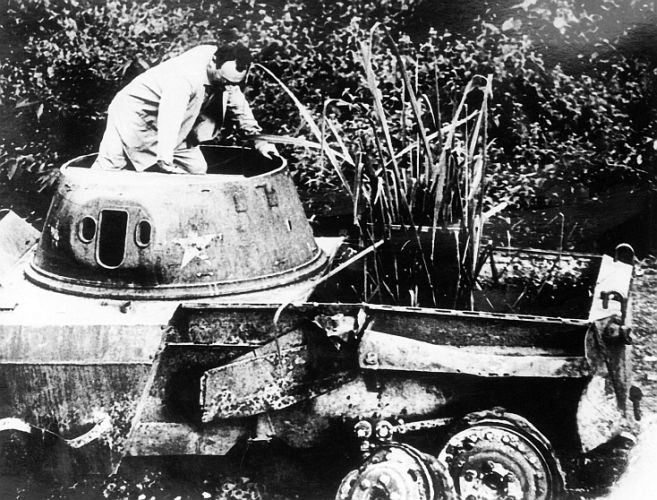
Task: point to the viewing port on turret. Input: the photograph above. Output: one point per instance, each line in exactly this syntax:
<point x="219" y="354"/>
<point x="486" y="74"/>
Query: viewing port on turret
<point x="127" y="234"/>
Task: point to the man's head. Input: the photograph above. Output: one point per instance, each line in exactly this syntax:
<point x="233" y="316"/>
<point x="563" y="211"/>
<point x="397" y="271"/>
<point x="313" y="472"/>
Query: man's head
<point x="231" y="63"/>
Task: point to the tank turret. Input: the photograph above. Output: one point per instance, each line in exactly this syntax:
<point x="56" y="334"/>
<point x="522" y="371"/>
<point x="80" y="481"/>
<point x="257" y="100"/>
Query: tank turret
<point x="130" y="235"/>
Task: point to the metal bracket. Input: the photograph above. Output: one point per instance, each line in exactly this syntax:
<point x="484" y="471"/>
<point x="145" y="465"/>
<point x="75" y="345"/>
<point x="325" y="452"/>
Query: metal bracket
<point x="616" y="330"/>
<point x="617" y="296"/>
<point x="636" y="395"/>
<point x="624" y="253"/>
<point x="270" y="194"/>
<point x="239" y="200"/>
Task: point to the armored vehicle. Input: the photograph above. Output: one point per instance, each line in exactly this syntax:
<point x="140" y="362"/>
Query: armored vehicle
<point x="181" y="315"/>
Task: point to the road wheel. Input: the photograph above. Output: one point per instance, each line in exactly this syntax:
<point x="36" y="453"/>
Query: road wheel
<point x="497" y="458"/>
<point x="397" y="472"/>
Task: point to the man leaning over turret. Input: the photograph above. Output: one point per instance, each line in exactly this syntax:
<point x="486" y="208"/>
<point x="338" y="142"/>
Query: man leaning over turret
<point x="156" y="122"/>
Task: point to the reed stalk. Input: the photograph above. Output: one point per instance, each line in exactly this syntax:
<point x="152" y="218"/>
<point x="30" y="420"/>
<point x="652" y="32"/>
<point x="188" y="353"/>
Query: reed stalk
<point x="400" y="195"/>
<point x="454" y="183"/>
<point x="401" y="182"/>
<point x="314" y="128"/>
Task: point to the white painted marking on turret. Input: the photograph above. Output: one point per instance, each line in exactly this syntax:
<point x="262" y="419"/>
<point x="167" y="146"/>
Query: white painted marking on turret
<point x="195" y="246"/>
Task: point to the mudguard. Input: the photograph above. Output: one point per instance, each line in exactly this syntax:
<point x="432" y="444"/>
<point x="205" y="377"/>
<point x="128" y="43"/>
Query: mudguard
<point x="296" y="367"/>
<point x="602" y="408"/>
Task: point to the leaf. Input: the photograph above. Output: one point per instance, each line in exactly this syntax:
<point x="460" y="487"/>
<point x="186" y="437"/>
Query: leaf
<point x="510" y="24"/>
<point x="12" y="169"/>
<point x="25" y="103"/>
<point x="495" y="210"/>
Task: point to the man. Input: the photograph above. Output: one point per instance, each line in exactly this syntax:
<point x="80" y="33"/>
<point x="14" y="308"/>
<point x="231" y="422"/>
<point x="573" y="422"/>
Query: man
<point x="156" y="122"/>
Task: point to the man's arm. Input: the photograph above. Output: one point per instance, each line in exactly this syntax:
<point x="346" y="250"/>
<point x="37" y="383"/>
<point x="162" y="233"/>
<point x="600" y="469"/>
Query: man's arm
<point x="171" y="112"/>
<point x="237" y="104"/>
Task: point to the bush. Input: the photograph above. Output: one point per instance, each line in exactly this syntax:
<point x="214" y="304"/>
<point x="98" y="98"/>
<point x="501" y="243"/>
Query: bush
<point x="568" y="128"/>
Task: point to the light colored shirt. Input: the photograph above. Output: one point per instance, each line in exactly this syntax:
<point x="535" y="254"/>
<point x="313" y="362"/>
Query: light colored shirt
<point x="155" y="112"/>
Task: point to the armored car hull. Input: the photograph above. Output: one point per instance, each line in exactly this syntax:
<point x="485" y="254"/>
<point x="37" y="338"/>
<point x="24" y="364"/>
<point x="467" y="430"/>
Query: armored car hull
<point x="165" y="315"/>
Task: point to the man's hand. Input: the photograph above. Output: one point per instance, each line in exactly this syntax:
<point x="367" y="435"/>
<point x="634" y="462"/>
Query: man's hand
<point x="267" y="149"/>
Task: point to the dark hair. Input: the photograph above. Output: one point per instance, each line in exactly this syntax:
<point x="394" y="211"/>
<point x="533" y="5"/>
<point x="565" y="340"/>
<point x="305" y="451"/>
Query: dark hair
<point x="234" y="52"/>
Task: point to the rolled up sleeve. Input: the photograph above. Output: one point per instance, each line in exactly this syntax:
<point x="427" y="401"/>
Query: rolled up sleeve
<point x="238" y="106"/>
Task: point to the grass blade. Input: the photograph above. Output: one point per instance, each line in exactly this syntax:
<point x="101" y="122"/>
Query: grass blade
<point x="308" y="118"/>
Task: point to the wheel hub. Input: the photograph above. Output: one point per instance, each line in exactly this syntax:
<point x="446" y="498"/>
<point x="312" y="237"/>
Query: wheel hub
<point x="397" y="472"/>
<point x="494" y="462"/>
<point x="491" y="480"/>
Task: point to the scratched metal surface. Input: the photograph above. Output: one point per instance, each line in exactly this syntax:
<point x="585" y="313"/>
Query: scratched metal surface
<point x="208" y="235"/>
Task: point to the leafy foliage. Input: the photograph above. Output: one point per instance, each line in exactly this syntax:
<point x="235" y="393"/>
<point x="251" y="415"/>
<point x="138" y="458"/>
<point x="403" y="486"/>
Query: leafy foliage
<point x="559" y="128"/>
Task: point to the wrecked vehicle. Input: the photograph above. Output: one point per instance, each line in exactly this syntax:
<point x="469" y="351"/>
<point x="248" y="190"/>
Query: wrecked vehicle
<point x="168" y="315"/>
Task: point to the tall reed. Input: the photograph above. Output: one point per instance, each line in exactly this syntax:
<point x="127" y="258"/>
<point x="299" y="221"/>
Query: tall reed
<point x="416" y="173"/>
<point x="433" y="175"/>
